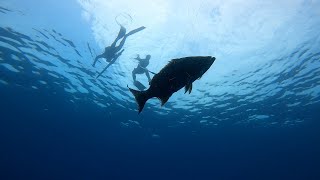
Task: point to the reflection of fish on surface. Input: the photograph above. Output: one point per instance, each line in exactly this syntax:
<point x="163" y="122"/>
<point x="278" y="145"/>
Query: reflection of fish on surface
<point x="178" y="73"/>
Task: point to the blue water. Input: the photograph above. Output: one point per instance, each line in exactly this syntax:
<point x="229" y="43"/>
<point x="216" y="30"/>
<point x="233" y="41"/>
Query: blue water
<point x="253" y="115"/>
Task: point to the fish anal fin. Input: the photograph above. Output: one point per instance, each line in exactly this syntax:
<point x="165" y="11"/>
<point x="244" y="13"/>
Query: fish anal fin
<point x="164" y="99"/>
<point x="188" y="87"/>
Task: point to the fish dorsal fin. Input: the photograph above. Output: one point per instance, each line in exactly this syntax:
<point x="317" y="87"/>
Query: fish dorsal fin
<point x="164" y="99"/>
<point x="188" y="87"/>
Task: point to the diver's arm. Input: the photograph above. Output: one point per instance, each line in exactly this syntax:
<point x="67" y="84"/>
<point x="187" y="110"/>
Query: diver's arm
<point x="111" y="62"/>
<point x="138" y="57"/>
<point x="134" y="74"/>
<point x="96" y="59"/>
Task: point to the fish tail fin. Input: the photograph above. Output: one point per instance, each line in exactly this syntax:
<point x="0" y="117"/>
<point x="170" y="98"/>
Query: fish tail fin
<point x="141" y="98"/>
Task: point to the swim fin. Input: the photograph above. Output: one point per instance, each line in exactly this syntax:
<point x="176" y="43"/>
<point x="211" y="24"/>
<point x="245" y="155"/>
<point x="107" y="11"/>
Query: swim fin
<point x="121" y="33"/>
<point x="135" y="31"/>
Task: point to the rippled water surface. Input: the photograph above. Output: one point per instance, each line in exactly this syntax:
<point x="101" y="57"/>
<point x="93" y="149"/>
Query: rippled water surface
<point x="267" y="64"/>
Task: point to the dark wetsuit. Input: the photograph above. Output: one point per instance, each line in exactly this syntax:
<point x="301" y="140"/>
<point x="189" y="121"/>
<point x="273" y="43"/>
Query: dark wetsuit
<point x="142" y="68"/>
<point x="112" y="53"/>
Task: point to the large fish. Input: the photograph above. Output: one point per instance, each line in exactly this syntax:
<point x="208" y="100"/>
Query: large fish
<point x="178" y="73"/>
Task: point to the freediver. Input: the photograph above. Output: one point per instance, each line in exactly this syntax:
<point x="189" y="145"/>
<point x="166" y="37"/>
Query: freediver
<point x="112" y="52"/>
<point x="141" y="68"/>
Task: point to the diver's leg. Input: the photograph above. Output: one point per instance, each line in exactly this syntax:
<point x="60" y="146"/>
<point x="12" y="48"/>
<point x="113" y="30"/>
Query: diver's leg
<point x="121" y="44"/>
<point x="96" y="59"/>
<point x="127" y="35"/>
<point x="134" y="74"/>
<point x="148" y="75"/>
<point x="121" y="34"/>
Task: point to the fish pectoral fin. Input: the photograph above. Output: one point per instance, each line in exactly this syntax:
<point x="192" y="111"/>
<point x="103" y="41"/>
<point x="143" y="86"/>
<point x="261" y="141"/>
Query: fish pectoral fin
<point x="164" y="99"/>
<point x="188" y="87"/>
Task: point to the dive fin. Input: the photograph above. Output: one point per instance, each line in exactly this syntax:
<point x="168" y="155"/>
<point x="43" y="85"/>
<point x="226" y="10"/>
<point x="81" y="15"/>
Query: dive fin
<point x="164" y="99"/>
<point x="121" y="33"/>
<point x="135" y="31"/>
<point x="188" y="87"/>
<point x="141" y="98"/>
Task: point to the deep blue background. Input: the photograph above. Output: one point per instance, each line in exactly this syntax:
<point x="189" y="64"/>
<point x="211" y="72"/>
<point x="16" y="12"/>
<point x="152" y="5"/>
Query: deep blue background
<point x="85" y="142"/>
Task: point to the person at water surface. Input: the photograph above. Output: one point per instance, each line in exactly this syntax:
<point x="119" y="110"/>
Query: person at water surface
<point x="112" y="52"/>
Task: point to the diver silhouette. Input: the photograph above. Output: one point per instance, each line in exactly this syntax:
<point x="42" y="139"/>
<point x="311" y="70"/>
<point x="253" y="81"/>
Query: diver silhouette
<point x="142" y="67"/>
<point x="112" y="52"/>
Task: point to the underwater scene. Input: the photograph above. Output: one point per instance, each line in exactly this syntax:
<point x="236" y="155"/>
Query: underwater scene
<point x="160" y="89"/>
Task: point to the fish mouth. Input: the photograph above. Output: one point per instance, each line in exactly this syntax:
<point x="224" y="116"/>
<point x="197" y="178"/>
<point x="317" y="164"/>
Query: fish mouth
<point x="207" y="64"/>
<point x="210" y="61"/>
<point x="213" y="59"/>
